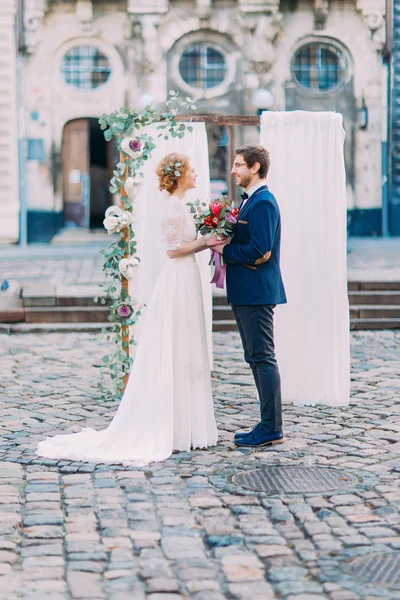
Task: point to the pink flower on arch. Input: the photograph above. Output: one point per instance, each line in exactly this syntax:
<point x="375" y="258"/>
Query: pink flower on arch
<point x="124" y="311"/>
<point x="135" y="145"/>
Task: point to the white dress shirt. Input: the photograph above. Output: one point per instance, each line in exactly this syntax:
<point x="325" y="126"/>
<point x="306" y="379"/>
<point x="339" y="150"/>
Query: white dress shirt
<point x="251" y="191"/>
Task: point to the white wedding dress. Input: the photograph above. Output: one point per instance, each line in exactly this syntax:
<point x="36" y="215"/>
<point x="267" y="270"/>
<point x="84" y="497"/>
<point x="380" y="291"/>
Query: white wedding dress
<point x="167" y="404"/>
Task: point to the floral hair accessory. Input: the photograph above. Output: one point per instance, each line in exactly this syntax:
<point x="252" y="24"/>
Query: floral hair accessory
<point x="173" y="167"/>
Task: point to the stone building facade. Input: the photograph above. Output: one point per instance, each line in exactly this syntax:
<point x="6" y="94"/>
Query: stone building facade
<point x="393" y="213"/>
<point x="82" y="58"/>
<point x="9" y="131"/>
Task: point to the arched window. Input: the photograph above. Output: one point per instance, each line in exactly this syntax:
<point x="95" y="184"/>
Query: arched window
<point x="85" y="67"/>
<point x="319" y="66"/>
<point x="202" y="66"/>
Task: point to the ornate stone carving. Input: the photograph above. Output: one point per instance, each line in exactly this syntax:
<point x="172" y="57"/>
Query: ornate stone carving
<point x="34" y="12"/>
<point x="321" y="10"/>
<point x="261" y="49"/>
<point x="203" y="8"/>
<point x="148" y="51"/>
<point x="84" y="14"/>
<point x="373" y="13"/>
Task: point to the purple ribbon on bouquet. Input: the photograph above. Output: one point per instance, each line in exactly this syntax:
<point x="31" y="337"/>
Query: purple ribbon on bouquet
<point x="220" y="271"/>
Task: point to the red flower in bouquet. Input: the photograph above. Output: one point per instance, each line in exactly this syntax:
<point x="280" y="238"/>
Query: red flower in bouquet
<point x="218" y="217"/>
<point x="215" y="208"/>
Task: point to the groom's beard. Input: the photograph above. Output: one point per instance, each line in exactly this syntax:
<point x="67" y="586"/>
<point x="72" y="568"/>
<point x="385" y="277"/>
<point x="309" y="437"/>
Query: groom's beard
<point x="244" y="181"/>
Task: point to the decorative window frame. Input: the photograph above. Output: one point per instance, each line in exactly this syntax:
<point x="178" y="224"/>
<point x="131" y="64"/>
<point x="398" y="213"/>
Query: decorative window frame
<point x="80" y="69"/>
<point x="331" y="41"/>
<point x="211" y="38"/>
<point x="116" y="69"/>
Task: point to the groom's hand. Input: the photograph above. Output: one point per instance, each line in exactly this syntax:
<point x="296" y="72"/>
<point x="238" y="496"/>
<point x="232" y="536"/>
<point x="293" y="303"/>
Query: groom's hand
<point x="219" y="247"/>
<point x="216" y="240"/>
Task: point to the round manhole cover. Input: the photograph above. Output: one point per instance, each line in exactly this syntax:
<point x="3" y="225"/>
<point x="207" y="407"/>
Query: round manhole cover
<point x="293" y="480"/>
<point x="379" y="569"/>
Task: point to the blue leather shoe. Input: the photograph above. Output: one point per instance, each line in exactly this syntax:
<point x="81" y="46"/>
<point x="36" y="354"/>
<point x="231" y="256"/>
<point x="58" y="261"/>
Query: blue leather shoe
<point x="247" y="433"/>
<point x="260" y="438"/>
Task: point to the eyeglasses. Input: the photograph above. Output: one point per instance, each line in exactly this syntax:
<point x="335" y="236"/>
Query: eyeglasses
<point x="237" y="165"/>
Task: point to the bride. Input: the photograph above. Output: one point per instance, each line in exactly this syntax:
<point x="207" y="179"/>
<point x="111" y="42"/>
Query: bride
<point x="167" y="404"/>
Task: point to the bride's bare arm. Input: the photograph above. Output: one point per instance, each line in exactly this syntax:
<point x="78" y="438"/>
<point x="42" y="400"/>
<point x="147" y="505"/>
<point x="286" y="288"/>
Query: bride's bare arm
<point x="202" y="243"/>
<point x="188" y="248"/>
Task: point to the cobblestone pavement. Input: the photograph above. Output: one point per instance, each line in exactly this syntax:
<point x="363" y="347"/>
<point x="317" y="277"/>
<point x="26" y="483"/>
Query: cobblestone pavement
<point x="183" y="529"/>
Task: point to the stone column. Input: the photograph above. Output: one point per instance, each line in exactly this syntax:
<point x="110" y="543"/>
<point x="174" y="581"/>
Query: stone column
<point x="9" y="199"/>
<point x="148" y="59"/>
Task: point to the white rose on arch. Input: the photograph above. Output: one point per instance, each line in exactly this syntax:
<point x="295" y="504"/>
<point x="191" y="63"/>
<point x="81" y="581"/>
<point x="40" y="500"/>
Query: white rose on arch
<point x="127" y="266"/>
<point x="114" y="211"/>
<point x="116" y="219"/>
<point x="132" y="188"/>
<point x="111" y="224"/>
<point x="132" y="147"/>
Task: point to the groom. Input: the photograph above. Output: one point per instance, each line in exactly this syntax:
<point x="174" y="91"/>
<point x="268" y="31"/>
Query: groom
<point x="254" y="287"/>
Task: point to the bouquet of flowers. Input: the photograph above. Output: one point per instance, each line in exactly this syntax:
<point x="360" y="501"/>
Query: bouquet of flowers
<point x="219" y="218"/>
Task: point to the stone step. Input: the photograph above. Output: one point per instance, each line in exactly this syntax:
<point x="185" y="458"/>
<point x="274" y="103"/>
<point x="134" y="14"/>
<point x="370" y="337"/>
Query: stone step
<point x="374" y="297"/>
<point x="53" y="327"/>
<point x="11" y="309"/>
<point x="50" y="295"/>
<point x="66" y="314"/>
<point x="224" y="325"/>
<point x="12" y="315"/>
<point x="220" y="301"/>
<point x="373" y="285"/>
<point x="379" y="311"/>
<point x="369" y="324"/>
<point x="222" y="312"/>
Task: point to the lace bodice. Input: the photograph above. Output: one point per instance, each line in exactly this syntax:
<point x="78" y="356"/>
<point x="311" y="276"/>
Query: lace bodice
<point x="177" y="225"/>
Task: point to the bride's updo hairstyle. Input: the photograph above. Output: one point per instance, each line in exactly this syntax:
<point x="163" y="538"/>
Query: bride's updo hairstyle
<point x="171" y="169"/>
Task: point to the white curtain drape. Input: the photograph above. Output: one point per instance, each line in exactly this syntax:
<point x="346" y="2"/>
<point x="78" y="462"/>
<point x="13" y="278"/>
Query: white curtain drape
<point x="307" y="177"/>
<point x="149" y="209"/>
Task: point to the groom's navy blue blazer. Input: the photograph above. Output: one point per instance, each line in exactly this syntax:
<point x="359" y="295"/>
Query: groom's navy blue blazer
<point x="253" y="274"/>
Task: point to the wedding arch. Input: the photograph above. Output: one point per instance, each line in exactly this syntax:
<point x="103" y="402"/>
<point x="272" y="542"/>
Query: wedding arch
<point x="313" y="206"/>
<point x="135" y="146"/>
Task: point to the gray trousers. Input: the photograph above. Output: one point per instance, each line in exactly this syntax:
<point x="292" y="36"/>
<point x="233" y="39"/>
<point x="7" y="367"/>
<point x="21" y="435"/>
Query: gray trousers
<point x="256" y="328"/>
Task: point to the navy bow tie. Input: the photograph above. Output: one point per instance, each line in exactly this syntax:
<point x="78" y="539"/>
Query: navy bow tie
<point x="244" y="196"/>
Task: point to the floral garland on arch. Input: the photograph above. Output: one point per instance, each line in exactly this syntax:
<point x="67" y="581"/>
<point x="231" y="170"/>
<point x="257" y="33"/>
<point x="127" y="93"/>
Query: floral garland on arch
<point x="120" y="258"/>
